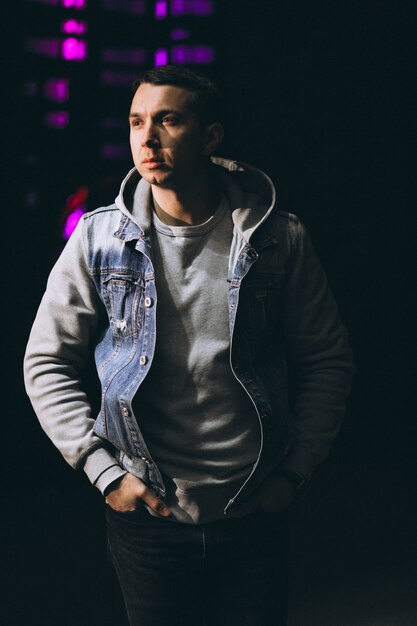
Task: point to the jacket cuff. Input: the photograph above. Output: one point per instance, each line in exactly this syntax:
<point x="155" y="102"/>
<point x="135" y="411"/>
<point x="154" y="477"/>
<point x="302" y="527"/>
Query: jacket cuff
<point x="102" y="468"/>
<point x="299" y="460"/>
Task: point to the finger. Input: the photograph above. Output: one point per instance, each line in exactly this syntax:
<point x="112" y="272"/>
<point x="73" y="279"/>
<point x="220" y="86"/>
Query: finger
<point x="155" y="503"/>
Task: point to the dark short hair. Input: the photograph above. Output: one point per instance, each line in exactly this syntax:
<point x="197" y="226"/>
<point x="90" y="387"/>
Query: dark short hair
<point x="207" y="99"/>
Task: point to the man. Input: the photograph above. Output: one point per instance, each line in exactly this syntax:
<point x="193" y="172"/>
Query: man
<point x="202" y="302"/>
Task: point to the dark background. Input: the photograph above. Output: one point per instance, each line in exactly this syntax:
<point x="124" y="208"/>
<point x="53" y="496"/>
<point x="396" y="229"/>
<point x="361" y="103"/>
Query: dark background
<point x="322" y="97"/>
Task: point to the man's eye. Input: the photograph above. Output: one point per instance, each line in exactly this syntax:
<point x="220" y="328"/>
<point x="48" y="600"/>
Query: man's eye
<point x="137" y="123"/>
<point x="169" y="119"/>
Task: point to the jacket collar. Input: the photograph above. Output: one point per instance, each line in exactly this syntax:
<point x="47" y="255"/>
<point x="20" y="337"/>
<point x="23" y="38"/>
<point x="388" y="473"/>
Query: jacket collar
<point x="250" y="192"/>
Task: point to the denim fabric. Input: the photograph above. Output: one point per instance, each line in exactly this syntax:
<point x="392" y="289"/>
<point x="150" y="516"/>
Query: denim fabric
<point x="231" y="572"/>
<point x="285" y="333"/>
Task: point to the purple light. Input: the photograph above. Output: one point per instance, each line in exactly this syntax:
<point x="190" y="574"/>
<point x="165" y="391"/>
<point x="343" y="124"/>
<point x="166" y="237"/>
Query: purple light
<point x="113" y="123"/>
<point x="31" y="89"/>
<point x="44" y="47"/>
<point x="74" y="49"/>
<point x="135" y="7"/>
<point x="203" y="7"/>
<point x="203" y="55"/>
<point x="74" y="4"/>
<point x="57" y="89"/>
<point x="179" y="34"/>
<point x="74" y="27"/>
<point x="46" y="1"/>
<point x="192" y="7"/>
<point x="57" y="119"/>
<point x="199" y="55"/>
<point x="115" y="151"/>
<point x="118" y="78"/>
<point x="72" y="221"/>
<point x="134" y="56"/>
<point x="161" y="56"/>
<point x="161" y="9"/>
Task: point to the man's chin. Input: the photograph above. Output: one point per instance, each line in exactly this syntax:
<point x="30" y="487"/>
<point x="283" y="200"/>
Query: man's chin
<point x="159" y="177"/>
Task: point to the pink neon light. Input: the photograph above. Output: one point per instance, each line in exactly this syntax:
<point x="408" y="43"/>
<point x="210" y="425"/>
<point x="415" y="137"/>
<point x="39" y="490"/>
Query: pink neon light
<point x="31" y="89"/>
<point x="115" y="151"/>
<point x="161" y="56"/>
<point x="131" y="56"/>
<point x="57" y="89"/>
<point x="72" y="221"/>
<point x="74" y="4"/>
<point x="74" y="49"/>
<point x="192" y="7"/>
<point x="74" y="27"/>
<point x="179" y="34"/>
<point x="46" y="1"/>
<point x="118" y="78"/>
<point x="198" y="55"/>
<point x="44" y="47"/>
<point x="135" y="7"/>
<point x="57" y="119"/>
<point x="161" y="9"/>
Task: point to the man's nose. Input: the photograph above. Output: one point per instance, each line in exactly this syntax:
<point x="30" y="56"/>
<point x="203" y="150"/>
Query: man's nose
<point x="149" y="136"/>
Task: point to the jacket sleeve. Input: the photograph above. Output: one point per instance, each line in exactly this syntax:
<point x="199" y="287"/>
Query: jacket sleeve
<point x="56" y="354"/>
<point x="319" y="355"/>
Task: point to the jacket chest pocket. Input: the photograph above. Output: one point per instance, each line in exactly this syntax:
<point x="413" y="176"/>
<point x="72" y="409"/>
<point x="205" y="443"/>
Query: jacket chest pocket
<point x="122" y="295"/>
<point x="261" y="301"/>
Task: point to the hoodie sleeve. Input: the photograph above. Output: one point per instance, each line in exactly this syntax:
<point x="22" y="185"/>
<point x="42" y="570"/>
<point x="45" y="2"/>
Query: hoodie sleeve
<point x="56" y="354"/>
<point x="319" y="353"/>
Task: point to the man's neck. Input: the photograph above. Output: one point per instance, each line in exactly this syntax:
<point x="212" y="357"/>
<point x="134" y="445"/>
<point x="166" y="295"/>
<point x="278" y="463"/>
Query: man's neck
<point x="188" y="207"/>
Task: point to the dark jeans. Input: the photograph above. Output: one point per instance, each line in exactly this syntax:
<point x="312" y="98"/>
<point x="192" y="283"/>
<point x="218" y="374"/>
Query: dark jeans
<point x="232" y="572"/>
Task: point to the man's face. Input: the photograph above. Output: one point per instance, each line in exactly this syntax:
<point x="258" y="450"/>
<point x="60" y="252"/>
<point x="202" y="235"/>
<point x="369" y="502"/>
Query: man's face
<point x="167" y="141"/>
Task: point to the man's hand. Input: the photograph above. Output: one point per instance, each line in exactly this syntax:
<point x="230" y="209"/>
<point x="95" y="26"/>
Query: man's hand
<point x="273" y="496"/>
<point x="123" y="496"/>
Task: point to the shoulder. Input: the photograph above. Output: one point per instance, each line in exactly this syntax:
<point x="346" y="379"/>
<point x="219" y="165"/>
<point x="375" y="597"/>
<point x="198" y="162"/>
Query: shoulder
<point x="101" y="214"/>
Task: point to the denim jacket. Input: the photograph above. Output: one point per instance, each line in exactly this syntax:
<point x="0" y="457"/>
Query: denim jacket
<point x="284" y="328"/>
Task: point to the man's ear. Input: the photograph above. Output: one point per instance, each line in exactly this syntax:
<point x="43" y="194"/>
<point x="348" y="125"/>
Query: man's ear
<point x="214" y="136"/>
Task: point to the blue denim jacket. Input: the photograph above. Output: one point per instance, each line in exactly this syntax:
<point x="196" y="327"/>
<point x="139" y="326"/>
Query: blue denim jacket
<point x="284" y="324"/>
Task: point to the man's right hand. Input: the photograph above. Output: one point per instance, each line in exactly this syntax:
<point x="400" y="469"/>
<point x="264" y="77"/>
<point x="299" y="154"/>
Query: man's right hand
<point x="124" y="493"/>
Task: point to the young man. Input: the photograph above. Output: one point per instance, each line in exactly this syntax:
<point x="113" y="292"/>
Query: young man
<point x="202" y="302"/>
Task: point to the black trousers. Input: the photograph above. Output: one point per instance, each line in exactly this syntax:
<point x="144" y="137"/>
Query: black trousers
<point x="232" y="572"/>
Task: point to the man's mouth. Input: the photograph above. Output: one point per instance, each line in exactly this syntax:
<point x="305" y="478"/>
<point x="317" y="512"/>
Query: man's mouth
<point x="152" y="163"/>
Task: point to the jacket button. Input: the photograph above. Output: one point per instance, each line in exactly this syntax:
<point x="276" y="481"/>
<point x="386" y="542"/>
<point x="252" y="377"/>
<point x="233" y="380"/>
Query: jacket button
<point x="148" y="302"/>
<point x="125" y="411"/>
<point x="143" y="359"/>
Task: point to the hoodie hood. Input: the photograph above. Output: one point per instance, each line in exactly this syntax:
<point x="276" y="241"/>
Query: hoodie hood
<point x="250" y="192"/>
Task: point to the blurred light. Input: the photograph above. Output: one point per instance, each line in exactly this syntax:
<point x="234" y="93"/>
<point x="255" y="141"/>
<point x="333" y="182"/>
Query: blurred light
<point x="74" y="49"/>
<point x="74" y="27"/>
<point x="57" y="119"/>
<point x="118" y="78"/>
<point x="74" y="4"/>
<point x="78" y="198"/>
<point x="135" y="7"/>
<point x="161" y="56"/>
<point x="57" y="89"/>
<point x="45" y="1"/>
<point x="44" y="47"/>
<point x="192" y="7"/>
<point x="133" y="56"/>
<point x="72" y="221"/>
<point x="161" y="9"/>
<point x="31" y="88"/>
<point x="179" y="34"/>
<point x="115" y="151"/>
<point x="198" y="55"/>
<point x="31" y="199"/>
<point x="114" y="123"/>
